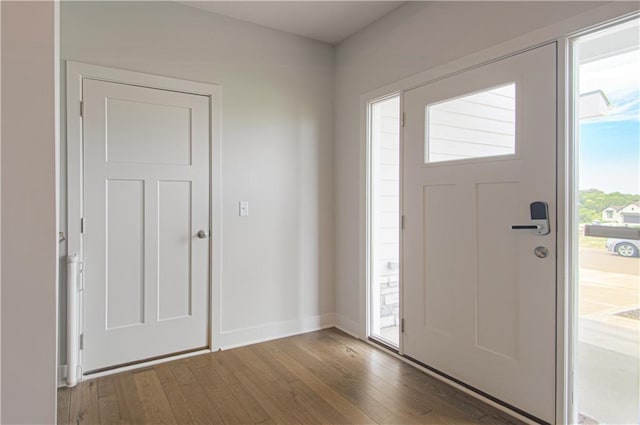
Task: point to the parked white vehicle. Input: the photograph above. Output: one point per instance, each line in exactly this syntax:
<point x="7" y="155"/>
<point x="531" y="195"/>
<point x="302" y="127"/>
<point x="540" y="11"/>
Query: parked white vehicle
<point x="624" y="247"/>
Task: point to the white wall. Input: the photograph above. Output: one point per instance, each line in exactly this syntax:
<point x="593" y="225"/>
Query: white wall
<point x="277" y="264"/>
<point x="29" y="217"/>
<point x="415" y="37"/>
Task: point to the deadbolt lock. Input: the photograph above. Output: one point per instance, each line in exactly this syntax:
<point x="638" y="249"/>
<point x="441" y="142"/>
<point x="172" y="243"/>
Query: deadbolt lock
<point x="541" y="251"/>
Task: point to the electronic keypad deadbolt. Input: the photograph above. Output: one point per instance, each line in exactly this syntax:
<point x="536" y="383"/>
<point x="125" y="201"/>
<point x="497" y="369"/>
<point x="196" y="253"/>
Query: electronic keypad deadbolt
<point x="539" y="219"/>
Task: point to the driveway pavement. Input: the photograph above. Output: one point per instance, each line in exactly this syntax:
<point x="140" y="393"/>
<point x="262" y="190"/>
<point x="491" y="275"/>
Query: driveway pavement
<point x="608" y="358"/>
<point x="601" y="259"/>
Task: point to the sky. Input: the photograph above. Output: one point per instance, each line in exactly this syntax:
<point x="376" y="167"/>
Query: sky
<point x="609" y="146"/>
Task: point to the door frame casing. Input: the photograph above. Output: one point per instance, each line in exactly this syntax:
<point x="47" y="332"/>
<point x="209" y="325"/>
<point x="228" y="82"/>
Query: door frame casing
<point x="76" y="72"/>
<point x="559" y="33"/>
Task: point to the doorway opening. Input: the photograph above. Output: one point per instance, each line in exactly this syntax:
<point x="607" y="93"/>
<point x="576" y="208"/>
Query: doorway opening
<point x="606" y="123"/>
<point x="384" y="220"/>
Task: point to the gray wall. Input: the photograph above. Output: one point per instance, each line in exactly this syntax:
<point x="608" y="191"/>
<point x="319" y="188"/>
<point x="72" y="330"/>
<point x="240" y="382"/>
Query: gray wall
<point x="29" y="216"/>
<point x="277" y="149"/>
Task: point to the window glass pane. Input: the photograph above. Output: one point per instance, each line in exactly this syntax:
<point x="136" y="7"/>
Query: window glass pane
<point x="474" y="126"/>
<point x="384" y="215"/>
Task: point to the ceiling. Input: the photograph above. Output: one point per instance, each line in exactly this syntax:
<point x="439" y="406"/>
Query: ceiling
<point x="328" y="21"/>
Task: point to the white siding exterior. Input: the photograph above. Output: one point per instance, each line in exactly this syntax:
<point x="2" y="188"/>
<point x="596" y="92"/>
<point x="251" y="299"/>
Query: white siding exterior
<point x="479" y="125"/>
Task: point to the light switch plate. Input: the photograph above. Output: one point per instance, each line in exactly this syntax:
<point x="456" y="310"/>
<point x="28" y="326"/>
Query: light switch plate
<point x="243" y="209"/>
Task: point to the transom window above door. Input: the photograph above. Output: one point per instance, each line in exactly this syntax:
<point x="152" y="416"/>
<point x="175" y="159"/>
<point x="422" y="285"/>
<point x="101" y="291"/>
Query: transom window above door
<point x="477" y="125"/>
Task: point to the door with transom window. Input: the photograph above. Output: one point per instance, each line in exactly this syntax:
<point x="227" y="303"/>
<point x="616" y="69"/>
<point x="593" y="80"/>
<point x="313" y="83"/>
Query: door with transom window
<point x="479" y="242"/>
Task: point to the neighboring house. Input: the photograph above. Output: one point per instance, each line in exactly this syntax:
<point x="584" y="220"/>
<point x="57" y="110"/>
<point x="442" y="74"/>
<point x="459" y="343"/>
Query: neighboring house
<point x="612" y="214"/>
<point x="629" y="214"/>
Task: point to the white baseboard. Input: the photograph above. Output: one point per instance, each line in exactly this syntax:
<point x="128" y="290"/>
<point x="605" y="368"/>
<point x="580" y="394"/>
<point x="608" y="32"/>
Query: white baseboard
<point x="62" y="375"/>
<point x="348" y="326"/>
<point x="275" y="330"/>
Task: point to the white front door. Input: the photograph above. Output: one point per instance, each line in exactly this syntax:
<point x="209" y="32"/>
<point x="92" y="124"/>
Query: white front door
<point x="146" y="196"/>
<point x="479" y="305"/>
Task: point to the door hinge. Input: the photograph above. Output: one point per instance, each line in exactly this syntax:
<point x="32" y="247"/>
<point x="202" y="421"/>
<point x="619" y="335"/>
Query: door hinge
<point x="402" y="325"/>
<point x="402" y="222"/>
<point x="82" y="225"/>
<point x="402" y="121"/>
<point x="81" y="277"/>
<point x="81" y="343"/>
<point x="81" y="108"/>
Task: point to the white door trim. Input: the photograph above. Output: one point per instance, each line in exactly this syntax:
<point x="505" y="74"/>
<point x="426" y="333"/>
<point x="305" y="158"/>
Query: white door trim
<point x="76" y="72"/>
<point x="559" y="32"/>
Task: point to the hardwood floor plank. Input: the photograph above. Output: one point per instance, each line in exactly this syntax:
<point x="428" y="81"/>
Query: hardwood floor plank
<point x="299" y="402"/>
<point x="347" y="360"/>
<point x="276" y="412"/>
<point x="252" y="407"/>
<point x="194" y="395"/>
<point x="347" y="409"/>
<point x="225" y="366"/>
<point x="108" y="410"/>
<point x="64" y="405"/>
<point x="446" y="399"/>
<point x="232" y="403"/>
<point x="346" y="384"/>
<point x="84" y="403"/>
<point x="106" y="386"/>
<point x="177" y="401"/>
<point x="315" y="378"/>
<point x="219" y="395"/>
<point x="129" y="405"/>
<point x="318" y="406"/>
<point x="394" y="399"/>
<point x="262" y="371"/>
<point x="292" y="401"/>
<point x="154" y="401"/>
<point x="265" y="351"/>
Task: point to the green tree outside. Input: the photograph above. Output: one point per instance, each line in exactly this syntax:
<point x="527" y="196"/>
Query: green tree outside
<point x="592" y="202"/>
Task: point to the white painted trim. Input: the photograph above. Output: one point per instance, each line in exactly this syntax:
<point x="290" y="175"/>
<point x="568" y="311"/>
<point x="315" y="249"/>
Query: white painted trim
<point x="348" y="326"/>
<point x="558" y="32"/>
<point x="402" y="224"/>
<point x="76" y="72"/>
<point x="362" y="328"/>
<point x="564" y="180"/>
<point x="275" y="330"/>
<point x="62" y="372"/>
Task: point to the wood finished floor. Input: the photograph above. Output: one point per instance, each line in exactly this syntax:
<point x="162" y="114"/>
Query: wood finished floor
<point x="319" y="377"/>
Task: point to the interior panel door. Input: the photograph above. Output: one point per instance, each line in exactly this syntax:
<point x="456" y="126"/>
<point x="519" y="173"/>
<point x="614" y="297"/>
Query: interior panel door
<point x="479" y="305"/>
<point x="146" y="196"/>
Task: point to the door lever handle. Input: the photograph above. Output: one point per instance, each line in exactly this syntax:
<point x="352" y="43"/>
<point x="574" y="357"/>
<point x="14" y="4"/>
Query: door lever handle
<point x="540" y="218"/>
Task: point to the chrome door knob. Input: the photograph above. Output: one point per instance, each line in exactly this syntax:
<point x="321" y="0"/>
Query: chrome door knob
<point x="203" y="234"/>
